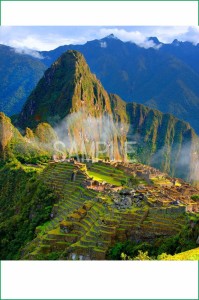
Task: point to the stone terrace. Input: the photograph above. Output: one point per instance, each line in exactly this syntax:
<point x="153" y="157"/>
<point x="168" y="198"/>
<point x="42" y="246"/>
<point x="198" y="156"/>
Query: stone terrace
<point x="85" y="223"/>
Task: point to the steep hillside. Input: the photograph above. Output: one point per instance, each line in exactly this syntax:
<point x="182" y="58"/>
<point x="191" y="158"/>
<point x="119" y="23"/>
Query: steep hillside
<point x="25" y="204"/>
<point x="66" y="87"/>
<point x="69" y="89"/>
<point x="185" y="51"/>
<point x="72" y="210"/>
<point x="75" y="211"/>
<point x="162" y="140"/>
<point x="33" y="147"/>
<point x="164" y="77"/>
<point x="71" y="99"/>
<point x="19" y="74"/>
<point x="102" y="204"/>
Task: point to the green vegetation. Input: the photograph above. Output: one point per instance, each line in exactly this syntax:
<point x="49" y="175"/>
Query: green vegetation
<point x="141" y="256"/>
<point x="53" y="210"/>
<point x="161" y="138"/>
<point x="19" y="74"/>
<point x="187" y="255"/>
<point x="51" y="214"/>
<point x="33" y="148"/>
<point x="195" y="197"/>
<point x="64" y="93"/>
<point x="166" y="79"/>
<point x="181" y="242"/>
<point x="101" y="178"/>
<point x="112" y="175"/>
<point x="25" y="203"/>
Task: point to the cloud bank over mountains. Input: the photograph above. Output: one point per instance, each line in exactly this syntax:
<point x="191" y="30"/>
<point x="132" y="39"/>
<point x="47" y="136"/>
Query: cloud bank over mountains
<point x="48" y="37"/>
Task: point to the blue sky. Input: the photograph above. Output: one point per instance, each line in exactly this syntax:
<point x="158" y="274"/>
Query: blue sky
<point x="48" y="37"/>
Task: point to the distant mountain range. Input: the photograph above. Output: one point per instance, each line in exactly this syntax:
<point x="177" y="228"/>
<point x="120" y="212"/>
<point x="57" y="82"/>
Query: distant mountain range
<point x="163" y="77"/>
<point x="19" y="74"/>
<point x="72" y="100"/>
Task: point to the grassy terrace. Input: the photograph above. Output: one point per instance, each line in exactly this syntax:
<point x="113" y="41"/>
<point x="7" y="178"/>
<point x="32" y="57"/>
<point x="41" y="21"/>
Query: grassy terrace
<point x="71" y="197"/>
<point x="96" y="225"/>
<point x="105" y="172"/>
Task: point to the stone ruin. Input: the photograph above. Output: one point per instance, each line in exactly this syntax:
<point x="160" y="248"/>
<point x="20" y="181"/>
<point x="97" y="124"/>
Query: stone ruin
<point x="98" y="186"/>
<point x="128" y="198"/>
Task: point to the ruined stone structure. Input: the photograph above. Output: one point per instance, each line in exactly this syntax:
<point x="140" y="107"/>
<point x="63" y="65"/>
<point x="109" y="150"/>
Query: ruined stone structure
<point x="92" y="216"/>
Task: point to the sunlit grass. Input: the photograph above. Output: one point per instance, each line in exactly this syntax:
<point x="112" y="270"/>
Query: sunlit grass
<point x="187" y="255"/>
<point x="99" y="177"/>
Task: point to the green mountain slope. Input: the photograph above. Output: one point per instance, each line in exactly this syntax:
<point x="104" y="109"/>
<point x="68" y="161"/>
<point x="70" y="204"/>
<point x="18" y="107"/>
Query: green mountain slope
<point x="55" y="215"/>
<point x="33" y="147"/>
<point x="25" y="204"/>
<point x="69" y="91"/>
<point x="66" y="87"/>
<point x="163" y="140"/>
<point x="19" y="74"/>
<point x="165" y="78"/>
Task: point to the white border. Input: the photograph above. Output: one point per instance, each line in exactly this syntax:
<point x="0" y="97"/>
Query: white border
<point x="99" y="280"/>
<point x="105" y="280"/>
<point x="99" y="13"/>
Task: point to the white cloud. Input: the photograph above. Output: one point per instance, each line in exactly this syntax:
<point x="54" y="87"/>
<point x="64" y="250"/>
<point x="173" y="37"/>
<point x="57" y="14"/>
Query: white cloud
<point x="191" y="35"/>
<point x="123" y="34"/>
<point x="48" y="38"/>
<point x="30" y="52"/>
<point x="136" y="37"/>
<point x="43" y="40"/>
<point x="182" y="33"/>
<point x="39" y="42"/>
<point x="165" y="34"/>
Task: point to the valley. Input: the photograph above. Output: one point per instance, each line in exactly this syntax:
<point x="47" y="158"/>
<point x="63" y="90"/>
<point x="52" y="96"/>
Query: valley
<point x="70" y="189"/>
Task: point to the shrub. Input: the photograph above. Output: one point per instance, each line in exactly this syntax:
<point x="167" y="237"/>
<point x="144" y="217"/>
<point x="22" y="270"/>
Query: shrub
<point x="195" y="197"/>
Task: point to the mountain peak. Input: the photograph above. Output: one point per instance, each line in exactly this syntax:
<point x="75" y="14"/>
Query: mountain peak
<point x="69" y="56"/>
<point x="175" y="42"/>
<point x="67" y="86"/>
<point x="73" y="53"/>
<point x="110" y="36"/>
<point x="154" y="39"/>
